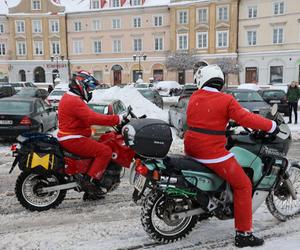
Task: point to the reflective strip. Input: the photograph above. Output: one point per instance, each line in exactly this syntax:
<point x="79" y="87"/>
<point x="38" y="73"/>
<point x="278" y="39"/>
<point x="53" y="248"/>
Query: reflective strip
<point x="68" y="137"/>
<point x="216" y="160"/>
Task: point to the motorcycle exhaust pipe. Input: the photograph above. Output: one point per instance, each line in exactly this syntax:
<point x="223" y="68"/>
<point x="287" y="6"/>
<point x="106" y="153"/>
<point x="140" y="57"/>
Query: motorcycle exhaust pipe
<point x="59" y="187"/>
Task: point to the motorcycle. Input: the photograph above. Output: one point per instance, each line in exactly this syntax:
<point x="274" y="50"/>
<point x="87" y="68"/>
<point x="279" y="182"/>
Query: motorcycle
<point x="177" y="192"/>
<point x="48" y="171"/>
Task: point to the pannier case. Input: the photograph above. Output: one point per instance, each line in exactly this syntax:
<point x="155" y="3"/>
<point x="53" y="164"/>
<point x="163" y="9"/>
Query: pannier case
<point x="151" y="138"/>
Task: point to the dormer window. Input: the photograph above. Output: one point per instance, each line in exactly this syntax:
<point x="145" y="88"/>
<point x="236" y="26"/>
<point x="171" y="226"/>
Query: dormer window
<point x="115" y="3"/>
<point x="36" y="4"/>
<point x="95" y="4"/>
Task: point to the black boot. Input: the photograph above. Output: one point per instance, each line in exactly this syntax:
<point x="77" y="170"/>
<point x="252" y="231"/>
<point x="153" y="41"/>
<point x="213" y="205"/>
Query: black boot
<point x="86" y="183"/>
<point x="244" y="239"/>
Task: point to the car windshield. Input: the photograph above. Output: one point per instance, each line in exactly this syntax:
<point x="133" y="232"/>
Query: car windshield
<point x="16" y="84"/>
<point x="15" y="107"/>
<point x="247" y="96"/>
<point x="141" y="85"/>
<point x="27" y="92"/>
<point x="273" y="93"/>
<point x="147" y="93"/>
<point x="57" y="93"/>
<point x="97" y="108"/>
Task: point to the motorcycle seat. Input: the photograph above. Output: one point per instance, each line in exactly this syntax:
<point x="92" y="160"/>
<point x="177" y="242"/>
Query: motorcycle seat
<point x="183" y="162"/>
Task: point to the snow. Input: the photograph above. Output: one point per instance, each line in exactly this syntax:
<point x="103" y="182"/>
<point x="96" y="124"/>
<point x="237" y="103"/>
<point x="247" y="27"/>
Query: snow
<point x="251" y="86"/>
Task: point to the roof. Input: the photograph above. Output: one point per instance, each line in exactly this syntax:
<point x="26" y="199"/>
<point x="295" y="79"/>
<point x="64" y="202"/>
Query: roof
<point x="19" y="98"/>
<point x="103" y="102"/>
<point x="240" y="90"/>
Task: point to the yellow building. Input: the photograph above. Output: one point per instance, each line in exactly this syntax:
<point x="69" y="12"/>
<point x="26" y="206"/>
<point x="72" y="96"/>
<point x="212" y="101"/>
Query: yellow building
<point x="205" y="29"/>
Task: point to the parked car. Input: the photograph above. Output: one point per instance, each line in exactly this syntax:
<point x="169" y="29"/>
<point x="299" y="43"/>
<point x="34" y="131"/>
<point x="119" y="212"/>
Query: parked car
<point x="141" y="85"/>
<point x="33" y="92"/>
<point x="20" y="114"/>
<point x="153" y="96"/>
<point x="103" y="86"/>
<point x="250" y="99"/>
<point x="168" y="88"/>
<point x="108" y="107"/>
<point x="188" y="90"/>
<point x="177" y="116"/>
<point x="7" y="91"/>
<point x="19" y="85"/>
<point x="278" y="96"/>
<point x="55" y="96"/>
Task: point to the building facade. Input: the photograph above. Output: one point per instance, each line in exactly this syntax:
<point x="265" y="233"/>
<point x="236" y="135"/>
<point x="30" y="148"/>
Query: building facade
<point x="4" y="43"/>
<point x="269" y="41"/>
<point x="37" y="42"/>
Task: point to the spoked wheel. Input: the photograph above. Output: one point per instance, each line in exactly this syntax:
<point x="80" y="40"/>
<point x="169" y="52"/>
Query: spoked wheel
<point x="156" y="220"/>
<point x="280" y="203"/>
<point x="28" y="191"/>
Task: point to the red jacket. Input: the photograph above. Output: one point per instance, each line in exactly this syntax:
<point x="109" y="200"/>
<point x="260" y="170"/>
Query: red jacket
<point x="75" y="117"/>
<point x="210" y="109"/>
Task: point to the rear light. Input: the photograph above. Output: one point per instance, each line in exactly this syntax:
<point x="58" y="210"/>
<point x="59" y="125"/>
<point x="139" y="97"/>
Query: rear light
<point x="26" y="121"/>
<point x="156" y="175"/>
<point x="140" y="168"/>
<point x="13" y="148"/>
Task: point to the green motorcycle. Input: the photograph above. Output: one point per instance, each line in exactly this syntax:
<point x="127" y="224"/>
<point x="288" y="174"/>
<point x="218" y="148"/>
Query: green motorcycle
<point x="176" y="191"/>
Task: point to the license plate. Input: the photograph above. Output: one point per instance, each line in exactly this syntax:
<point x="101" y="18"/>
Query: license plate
<point x="6" y="122"/>
<point x="274" y="101"/>
<point x="139" y="182"/>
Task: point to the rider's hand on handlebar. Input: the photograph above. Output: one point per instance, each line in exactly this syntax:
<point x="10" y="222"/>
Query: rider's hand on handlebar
<point x="276" y="131"/>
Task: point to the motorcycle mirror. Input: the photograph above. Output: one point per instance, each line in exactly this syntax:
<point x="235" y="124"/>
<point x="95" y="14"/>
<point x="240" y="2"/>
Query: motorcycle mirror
<point x="274" y="109"/>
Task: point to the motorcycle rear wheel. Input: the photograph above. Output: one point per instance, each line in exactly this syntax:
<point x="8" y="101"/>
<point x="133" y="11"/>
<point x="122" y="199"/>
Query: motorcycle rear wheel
<point x="151" y="207"/>
<point x="27" y="191"/>
<point x="280" y="203"/>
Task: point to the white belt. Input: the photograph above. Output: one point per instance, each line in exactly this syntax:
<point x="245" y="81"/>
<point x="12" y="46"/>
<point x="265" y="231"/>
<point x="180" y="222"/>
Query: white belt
<point x="215" y="160"/>
<point x="68" y="137"/>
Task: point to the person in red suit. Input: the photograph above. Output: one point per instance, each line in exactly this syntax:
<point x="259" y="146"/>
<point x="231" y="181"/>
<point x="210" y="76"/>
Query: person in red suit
<point x="75" y="118"/>
<point x="208" y="114"/>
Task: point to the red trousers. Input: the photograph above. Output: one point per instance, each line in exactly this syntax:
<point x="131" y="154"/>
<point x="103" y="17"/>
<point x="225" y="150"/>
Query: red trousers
<point x="233" y="173"/>
<point x="86" y="147"/>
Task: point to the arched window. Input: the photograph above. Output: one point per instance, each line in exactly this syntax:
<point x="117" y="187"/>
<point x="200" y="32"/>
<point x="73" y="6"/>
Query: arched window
<point x="39" y="74"/>
<point x="22" y="75"/>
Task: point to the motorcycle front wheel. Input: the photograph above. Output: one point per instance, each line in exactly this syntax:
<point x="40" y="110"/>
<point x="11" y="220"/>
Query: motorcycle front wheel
<point x="28" y="186"/>
<point x="156" y="211"/>
<point x="280" y="202"/>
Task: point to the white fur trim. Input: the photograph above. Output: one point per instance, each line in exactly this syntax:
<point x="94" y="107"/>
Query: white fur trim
<point x="210" y="89"/>
<point x="274" y="125"/>
<point x="69" y="137"/>
<point x="215" y="160"/>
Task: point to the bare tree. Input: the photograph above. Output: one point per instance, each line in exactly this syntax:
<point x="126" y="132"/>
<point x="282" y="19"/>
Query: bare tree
<point x="228" y="65"/>
<point x="180" y="61"/>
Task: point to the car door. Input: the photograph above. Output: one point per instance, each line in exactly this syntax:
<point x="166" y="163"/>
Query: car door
<point x="181" y="113"/>
<point x="52" y="115"/>
<point x="41" y="115"/>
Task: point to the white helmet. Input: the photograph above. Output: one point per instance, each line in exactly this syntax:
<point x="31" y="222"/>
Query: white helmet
<point x="210" y="76"/>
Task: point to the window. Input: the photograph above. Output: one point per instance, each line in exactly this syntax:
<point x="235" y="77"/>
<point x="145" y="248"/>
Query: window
<point x="182" y="17"/>
<point x="2" y="30"/>
<point x="38" y="48"/>
<point x="202" y="40"/>
<point x="54" y="26"/>
<point x="158" y="21"/>
<point x="21" y="48"/>
<point x="55" y="48"/>
<point x="117" y="47"/>
<point x="95" y="4"/>
<point x="96" y="24"/>
<point x="278" y="35"/>
<point x="276" y="74"/>
<point x="136" y="2"/>
<point x="2" y="49"/>
<point x="182" y="41"/>
<point x="36" y="4"/>
<point x="77" y="47"/>
<point x="97" y="47"/>
<point x="115" y="3"/>
<point x="137" y="44"/>
<point x="77" y="26"/>
<point x="251" y="36"/>
<point x="202" y="15"/>
<point x="20" y="26"/>
<point x="98" y="75"/>
<point x="222" y="39"/>
<point x="116" y="23"/>
<point x="223" y="13"/>
<point x="158" y="43"/>
<point x="278" y="8"/>
<point x="36" y="26"/>
<point x="252" y="12"/>
<point x="137" y="22"/>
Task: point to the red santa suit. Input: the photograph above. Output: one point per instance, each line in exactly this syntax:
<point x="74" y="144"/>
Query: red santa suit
<point x="211" y="110"/>
<point x="75" y="120"/>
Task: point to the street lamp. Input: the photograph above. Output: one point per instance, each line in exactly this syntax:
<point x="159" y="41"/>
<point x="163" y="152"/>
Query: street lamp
<point x="139" y="56"/>
<point x="57" y="80"/>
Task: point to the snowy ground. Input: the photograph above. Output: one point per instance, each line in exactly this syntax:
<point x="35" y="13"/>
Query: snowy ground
<point x="114" y="223"/>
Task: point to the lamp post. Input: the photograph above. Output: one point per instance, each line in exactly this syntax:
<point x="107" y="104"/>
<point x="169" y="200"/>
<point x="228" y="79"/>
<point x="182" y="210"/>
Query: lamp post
<point x="55" y="58"/>
<point x="139" y="56"/>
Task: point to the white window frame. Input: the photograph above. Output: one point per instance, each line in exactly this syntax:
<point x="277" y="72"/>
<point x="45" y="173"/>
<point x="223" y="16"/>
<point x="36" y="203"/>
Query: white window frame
<point x="24" y="49"/>
<point x="158" y="21"/>
<point x="116" y="21"/>
<point x="198" y="15"/>
<point x="278" y="35"/>
<point x="96" y="25"/>
<point x="38" y="48"/>
<point x="97" y="46"/>
<point x="53" y="47"/>
<point x="252" y="12"/>
<point x="20" y="24"/>
<point x="278" y="4"/>
<point x="2" y="49"/>
<point x="117" y="46"/>
<point x="136" y="2"/>
<point x="115" y="3"/>
<point x="202" y="34"/>
<point x="182" y="19"/>
<point x="77" y="47"/>
<point x="178" y="41"/>
<point x="161" y="43"/>
<point x="250" y="34"/>
<point x="137" y="22"/>
<point x="37" y="28"/>
<point x="223" y="18"/>
<point x="2" y="28"/>
<point x="95" y="4"/>
<point x="77" y="26"/>
<point x="227" y="39"/>
<point x="54" y="23"/>
<point x="36" y="4"/>
<point x="136" y="49"/>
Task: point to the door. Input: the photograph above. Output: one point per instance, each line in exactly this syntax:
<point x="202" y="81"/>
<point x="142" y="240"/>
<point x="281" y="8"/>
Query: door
<point x="251" y="75"/>
<point x="181" y="77"/>
<point x="117" y="77"/>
